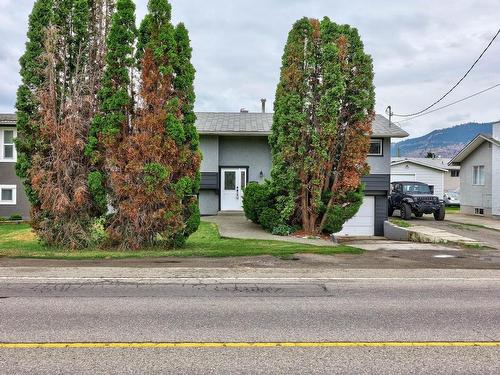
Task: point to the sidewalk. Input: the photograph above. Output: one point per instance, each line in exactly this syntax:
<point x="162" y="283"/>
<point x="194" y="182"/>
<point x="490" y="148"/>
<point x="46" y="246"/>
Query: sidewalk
<point x="474" y="220"/>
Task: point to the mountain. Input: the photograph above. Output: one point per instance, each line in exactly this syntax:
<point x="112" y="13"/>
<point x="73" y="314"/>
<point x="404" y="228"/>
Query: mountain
<point x="445" y="142"/>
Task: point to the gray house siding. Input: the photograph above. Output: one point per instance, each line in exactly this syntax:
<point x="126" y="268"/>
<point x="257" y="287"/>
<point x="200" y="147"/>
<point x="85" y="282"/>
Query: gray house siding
<point x="8" y="177"/>
<point x="380" y="214"/>
<point x="472" y="196"/>
<point x="376" y="184"/>
<point x="209" y="145"/>
<point x="381" y="164"/>
<point x="251" y="152"/>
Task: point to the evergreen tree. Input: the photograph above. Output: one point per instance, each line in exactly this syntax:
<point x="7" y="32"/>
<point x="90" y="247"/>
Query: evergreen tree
<point x="321" y="126"/>
<point x="155" y="177"/>
<point x="112" y="123"/>
<point x="32" y="76"/>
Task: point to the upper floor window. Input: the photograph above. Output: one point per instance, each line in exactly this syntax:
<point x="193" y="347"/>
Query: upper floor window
<point x="376" y="148"/>
<point x="8" y="151"/>
<point x="478" y="175"/>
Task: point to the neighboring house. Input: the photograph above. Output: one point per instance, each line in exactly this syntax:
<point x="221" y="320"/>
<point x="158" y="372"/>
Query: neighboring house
<point x="12" y="198"/>
<point x="236" y="151"/>
<point x="434" y="172"/>
<point x="479" y="163"/>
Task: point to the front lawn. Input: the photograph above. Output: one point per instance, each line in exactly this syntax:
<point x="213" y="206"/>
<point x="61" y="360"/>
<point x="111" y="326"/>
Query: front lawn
<point x="452" y="209"/>
<point x="18" y="241"/>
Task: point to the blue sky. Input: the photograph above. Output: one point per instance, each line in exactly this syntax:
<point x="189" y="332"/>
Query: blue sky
<point x="420" y="49"/>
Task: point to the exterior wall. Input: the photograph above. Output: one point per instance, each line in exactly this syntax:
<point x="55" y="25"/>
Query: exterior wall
<point x="251" y="152"/>
<point x="209" y="202"/>
<point x="495" y="178"/>
<point x="381" y="164"/>
<point x="451" y="183"/>
<point x="472" y="196"/>
<point x="209" y="145"/>
<point x="427" y="175"/>
<point x="8" y="177"/>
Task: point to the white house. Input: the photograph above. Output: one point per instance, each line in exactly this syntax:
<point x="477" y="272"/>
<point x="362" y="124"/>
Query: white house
<point x="479" y="163"/>
<point x="429" y="171"/>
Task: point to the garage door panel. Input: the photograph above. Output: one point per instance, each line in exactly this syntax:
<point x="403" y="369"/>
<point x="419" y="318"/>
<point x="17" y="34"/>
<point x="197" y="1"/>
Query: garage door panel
<point x="403" y="177"/>
<point x="363" y="223"/>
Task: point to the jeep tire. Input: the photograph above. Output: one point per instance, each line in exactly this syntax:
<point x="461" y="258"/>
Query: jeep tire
<point x="439" y="214"/>
<point x="405" y="211"/>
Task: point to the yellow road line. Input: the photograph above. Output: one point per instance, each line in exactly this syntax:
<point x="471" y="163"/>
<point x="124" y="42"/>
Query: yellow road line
<point x="332" y="344"/>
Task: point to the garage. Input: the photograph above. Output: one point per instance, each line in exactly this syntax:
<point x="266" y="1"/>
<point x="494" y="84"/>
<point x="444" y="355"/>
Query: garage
<point x="363" y="223"/>
<point x="402" y="177"/>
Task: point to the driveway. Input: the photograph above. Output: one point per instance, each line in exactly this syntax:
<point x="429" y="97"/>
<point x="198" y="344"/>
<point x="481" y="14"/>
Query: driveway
<point x="481" y="229"/>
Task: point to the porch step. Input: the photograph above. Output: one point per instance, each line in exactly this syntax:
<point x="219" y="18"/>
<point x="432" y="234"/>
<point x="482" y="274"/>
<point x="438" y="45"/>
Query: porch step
<point x="231" y="213"/>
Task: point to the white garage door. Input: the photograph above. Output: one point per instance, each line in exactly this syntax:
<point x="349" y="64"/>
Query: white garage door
<point x="361" y="224"/>
<point x="403" y="177"/>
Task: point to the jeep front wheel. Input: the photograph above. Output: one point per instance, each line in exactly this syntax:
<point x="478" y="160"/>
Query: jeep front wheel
<point x="405" y="211"/>
<point x="439" y="214"/>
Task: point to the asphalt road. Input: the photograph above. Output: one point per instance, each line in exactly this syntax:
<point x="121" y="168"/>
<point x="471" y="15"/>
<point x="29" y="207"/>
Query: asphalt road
<point x="369" y="309"/>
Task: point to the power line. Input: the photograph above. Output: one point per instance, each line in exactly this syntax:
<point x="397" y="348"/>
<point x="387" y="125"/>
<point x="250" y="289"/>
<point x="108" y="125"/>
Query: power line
<point x="450" y="104"/>
<point x="456" y="84"/>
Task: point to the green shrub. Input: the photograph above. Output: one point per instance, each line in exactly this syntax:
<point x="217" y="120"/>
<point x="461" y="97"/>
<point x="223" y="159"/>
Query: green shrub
<point x="282" y="230"/>
<point x="3" y="218"/>
<point x="98" y="233"/>
<point x="256" y="198"/>
<point x="338" y="214"/>
<point x="270" y="218"/>
<point x="15" y="217"/>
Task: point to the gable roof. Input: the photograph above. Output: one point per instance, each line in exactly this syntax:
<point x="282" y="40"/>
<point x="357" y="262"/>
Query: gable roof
<point x="432" y="162"/>
<point x="423" y="163"/>
<point x="238" y="123"/>
<point x="471" y="146"/>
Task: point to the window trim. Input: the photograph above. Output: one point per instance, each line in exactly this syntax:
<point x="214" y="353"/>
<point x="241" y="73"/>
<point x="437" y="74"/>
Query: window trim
<point x="13" y="159"/>
<point x="478" y="182"/>
<point x="381" y="141"/>
<point x="14" y="195"/>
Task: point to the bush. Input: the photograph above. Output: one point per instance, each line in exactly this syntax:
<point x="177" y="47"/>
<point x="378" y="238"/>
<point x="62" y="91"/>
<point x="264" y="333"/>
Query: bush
<point x="15" y="217"/>
<point x="270" y="218"/>
<point x="338" y="214"/>
<point x="256" y="198"/>
<point x="3" y="218"/>
<point x="282" y="230"/>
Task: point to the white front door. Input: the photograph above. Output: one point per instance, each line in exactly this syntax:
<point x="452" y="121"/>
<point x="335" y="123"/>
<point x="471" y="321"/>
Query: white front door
<point x="232" y="184"/>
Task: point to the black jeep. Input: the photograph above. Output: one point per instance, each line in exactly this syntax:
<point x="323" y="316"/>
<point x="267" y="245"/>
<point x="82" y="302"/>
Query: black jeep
<point x="416" y="197"/>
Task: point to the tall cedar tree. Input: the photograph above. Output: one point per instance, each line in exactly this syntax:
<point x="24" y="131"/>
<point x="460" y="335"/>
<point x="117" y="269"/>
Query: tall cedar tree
<point x="154" y="171"/>
<point x="321" y="126"/>
<point x="113" y="122"/>
<point x="54" y="166"/>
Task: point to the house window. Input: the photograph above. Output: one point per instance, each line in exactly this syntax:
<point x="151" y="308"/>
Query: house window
<point x="7" y="141"/>
<point x="455" y="173"/>
<point x="478" y="175"/>
<point x="375" y="148"/>
<point x="7" y="194"/>
<point x="479" y="211"/>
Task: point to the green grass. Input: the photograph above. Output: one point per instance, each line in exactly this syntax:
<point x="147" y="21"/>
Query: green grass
<point x="452" y="209"/>
<point x="19" y="241"/>
<point x="400" y="222"/>
<point x="463" y="227"/>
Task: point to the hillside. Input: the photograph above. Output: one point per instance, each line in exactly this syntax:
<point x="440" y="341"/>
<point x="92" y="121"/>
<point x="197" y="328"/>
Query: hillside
<point x="443" y="142"/>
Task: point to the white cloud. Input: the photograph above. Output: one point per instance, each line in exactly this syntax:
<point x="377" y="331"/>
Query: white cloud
<point x="420" y="49"/>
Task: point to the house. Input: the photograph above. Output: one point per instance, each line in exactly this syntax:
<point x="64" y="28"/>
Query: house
<point x="13" y="201"/>
<point x="236" y="151"/>
<point x="479" y="163"/>
<point x="435" y="172"/>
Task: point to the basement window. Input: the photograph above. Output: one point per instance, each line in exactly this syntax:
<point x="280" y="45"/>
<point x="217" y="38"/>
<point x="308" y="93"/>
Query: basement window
<point x="7" y="194"/>
<point x="455" y="173"/>
<point x="479" y="211"/>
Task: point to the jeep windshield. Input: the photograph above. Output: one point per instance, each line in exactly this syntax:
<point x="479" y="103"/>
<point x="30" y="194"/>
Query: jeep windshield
<point x="416" y="188"/>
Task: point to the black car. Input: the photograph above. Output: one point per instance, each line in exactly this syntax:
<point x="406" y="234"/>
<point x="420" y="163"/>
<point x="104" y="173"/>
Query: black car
<point x="414" y="197"/>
